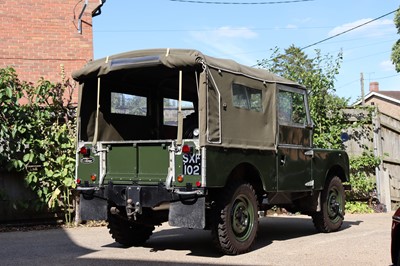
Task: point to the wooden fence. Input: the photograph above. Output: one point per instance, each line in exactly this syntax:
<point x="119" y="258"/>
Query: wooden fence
<point x="382" y="137"/>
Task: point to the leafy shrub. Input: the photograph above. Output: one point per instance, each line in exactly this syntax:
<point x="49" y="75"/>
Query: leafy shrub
<point x="362" y="170"/>
<point x="37" y="137"/>
<point x="358" y="207"/>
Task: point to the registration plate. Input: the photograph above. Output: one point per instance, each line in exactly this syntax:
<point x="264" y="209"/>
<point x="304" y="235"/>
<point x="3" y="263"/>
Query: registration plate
<point x="191" y="164"/>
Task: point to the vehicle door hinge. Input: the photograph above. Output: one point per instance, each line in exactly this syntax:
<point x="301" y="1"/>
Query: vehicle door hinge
<point x="310" y="184"/>
<point x="309" y="153"/>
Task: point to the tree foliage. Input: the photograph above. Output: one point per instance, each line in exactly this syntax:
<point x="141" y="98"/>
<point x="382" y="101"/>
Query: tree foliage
<point x="37" y="136"/>
<point x="396" y="47"/>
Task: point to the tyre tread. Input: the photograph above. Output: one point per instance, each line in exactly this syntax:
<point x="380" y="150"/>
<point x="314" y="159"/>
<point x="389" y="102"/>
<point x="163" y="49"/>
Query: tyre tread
<point x="127" y="233"/>
<point x="220" y="230"/>
<point x="320" y="219"/>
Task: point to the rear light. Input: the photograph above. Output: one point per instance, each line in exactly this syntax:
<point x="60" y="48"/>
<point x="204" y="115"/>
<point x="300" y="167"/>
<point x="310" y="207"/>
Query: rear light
<point x="78" y="181"/>
<point x="180" y="178"/>
<point x="198" y="184"/>
<point x="84" y="151"/>
<point x="93" y="177"/>
<point x="186" y="149"/>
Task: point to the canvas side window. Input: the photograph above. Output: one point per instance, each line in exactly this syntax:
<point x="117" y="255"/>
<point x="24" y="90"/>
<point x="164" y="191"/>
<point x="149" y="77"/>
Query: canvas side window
<point x="246" y="97"/>
<point x="128" y="104"/>
<point x="171" y="111"/>
<point x="291" y="108"/>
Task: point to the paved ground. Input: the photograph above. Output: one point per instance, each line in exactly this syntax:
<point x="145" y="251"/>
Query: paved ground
<point x="282" y="240"/>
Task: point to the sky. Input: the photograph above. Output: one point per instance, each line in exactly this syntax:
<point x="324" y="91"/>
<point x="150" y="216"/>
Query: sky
<point x="247" y="33"/>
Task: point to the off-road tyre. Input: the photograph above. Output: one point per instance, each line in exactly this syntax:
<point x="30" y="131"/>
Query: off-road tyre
<point x="128" y="233"/>
<point x="235" y="220"/>
<point x="331" y="216"/>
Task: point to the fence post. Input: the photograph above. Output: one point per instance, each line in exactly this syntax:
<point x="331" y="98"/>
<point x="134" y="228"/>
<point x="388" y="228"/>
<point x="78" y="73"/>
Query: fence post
<point x="382" y="185"/>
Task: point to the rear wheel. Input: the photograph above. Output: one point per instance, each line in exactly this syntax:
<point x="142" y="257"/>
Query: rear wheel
<point x="331" y="216"/>
<point x="126" y="232"/>
<point x="236" y="222"/>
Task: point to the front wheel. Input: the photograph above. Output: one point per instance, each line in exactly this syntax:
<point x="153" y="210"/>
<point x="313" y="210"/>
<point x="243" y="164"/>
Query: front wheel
<point x="236" y="219"/>
<point x="331" y="216"/>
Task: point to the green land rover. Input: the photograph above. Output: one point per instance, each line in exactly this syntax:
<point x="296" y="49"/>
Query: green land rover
<point x="175" y="135"/>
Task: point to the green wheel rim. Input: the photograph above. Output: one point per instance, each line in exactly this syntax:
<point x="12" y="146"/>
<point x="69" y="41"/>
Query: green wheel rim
<point x="242" y="218"/>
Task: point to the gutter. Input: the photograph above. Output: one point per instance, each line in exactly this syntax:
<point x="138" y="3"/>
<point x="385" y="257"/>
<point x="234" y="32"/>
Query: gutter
<point x="95" y="12"/>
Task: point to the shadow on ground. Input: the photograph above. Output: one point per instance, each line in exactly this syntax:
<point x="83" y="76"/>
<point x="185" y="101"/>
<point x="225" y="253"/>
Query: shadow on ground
<point x="55" y="247"/>
<point x="200" y="243"/>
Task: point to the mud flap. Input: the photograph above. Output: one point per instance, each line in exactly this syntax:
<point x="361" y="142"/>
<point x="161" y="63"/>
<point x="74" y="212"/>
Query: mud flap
<point x="93" y="209"/>
<point x="188" y="214"/>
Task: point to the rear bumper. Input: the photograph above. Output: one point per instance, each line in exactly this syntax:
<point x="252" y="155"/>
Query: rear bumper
<point x="134" y="198"/>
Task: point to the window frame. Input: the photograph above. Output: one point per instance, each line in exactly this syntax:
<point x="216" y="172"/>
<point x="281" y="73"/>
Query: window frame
<point x="303" y="93"/>
<point x="113" y="109"/>
<point x="191" y="110"/>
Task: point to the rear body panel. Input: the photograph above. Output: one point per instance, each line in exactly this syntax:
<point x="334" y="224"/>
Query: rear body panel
<point x="136" y="162"/>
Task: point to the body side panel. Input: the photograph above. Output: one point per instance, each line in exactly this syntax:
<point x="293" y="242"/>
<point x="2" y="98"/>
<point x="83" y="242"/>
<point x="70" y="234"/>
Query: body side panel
<point x="221" y="163"/>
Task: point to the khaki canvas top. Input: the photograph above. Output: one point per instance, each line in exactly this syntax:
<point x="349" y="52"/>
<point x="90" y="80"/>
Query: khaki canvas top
<point x="221" y="123"/>
<point x="172" y="58"/>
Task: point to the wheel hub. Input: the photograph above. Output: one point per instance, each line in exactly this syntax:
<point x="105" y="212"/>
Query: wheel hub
<point x="241" y="218"/>
<point x="334" y="205"/>
<point x="242" y="213"/>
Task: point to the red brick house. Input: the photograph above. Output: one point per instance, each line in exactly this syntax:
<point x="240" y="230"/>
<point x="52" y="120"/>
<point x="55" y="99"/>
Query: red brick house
<point x="43" y="38"/>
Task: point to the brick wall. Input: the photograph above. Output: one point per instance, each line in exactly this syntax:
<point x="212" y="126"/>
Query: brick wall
<point x="37" y="37"/>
